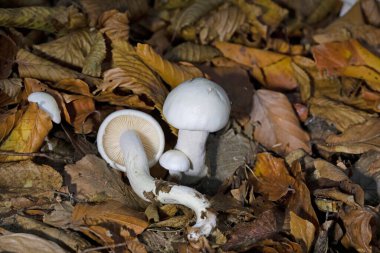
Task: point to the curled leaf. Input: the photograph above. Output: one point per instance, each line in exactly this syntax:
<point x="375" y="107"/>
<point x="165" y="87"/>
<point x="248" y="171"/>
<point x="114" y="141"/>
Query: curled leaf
<point x="172" y="73"/>
<point x="192" y="53"/>
<point x="277" y="126"/>
<point x="28" y="135"/>
<point x="115" y="25"/>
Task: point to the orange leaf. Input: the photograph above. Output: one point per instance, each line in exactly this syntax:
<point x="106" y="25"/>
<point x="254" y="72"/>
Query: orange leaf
<point x="28" y="135"/>
<point x="277" y="126"/>
<point x="79" y="108"/>
<point x="271" y="176"/>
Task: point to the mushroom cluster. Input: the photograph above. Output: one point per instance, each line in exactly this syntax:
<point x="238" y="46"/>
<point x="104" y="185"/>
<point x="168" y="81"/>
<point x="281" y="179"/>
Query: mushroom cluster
<point x="132" y="141"/>
<point x="196" y="108"/>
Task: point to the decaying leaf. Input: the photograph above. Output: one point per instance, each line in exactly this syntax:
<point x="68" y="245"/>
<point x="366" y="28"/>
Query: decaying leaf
<point x="172" y="73"/>
<point x="7" y="121"/>
<point x="22" y="242"/>
<point x="8" y="53"/>
<point x="10" y="90"/>
<point x="115" y="25"/>
<point x="276" y="125"/>
<point x="49" y="19"/>
<point x="326" y="170"/>
<point x="90" y="179"/>
<point x="342" y="116"/>
<point x="302" y="230"/>
<point x="271" y="177"/>
<point x="355" y="140"/>
<point x="371" y="10"/>
<point x="60" y="217"/>
<point x="28" y="135"/>
<point x="358" y="230"/>
<point x="192" y="52"/>
<point x="335" y="194"/>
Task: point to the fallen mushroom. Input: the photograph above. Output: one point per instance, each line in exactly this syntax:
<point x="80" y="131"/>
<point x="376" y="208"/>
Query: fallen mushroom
<point x="47" y="103"/>
<point x="132" y="141"/>
<point x="196" y="108"/>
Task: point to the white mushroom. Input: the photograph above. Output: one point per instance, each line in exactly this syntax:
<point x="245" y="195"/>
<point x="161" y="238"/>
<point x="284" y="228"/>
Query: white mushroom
<point x="132" y="141"/>
<point x="47" y="103"/>
<point x="196" y="107"/>
<point x="176" y="162"/>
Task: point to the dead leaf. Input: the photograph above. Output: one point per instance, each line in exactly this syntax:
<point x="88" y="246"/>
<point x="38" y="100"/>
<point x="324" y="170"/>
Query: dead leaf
<point x="75" y="86"/>
<point x="271" y="177"/>
<point x="8" y="55"/>
<point x="22" y="242"/>
<point x="10" y="90"/>
<point x="28" y="135"/>
<point x="91" y="180"/>
<point x="322" y="242"/>
<point x="371" y="11"/>
<point x="302" y="230"/>
<point x="277" y="126"/>
<point x="60" y="217"/>
<point x="342" y="116"/>
<point x="115" y="25"/>
<point x="191" y="52"/>
<point x="49" y="19"/>
<point x="8" y="120"/>
<point x="358" y="231"/>
<point x="335" y="194"/>
<point x="355" y="140"/>
<point x="172" y="73"/>
<point x="326" y="170"/>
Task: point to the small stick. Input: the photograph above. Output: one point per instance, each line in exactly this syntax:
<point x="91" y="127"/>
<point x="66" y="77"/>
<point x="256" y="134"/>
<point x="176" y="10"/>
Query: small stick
<point x="37" y="154"/>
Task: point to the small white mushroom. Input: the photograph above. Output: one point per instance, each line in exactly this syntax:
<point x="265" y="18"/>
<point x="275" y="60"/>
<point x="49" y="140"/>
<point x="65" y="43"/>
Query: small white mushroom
<point x="132" y="141"/>
<point x="47" y="103"/>
<point x="176" y="162"/>
<point x="196" y="108"/>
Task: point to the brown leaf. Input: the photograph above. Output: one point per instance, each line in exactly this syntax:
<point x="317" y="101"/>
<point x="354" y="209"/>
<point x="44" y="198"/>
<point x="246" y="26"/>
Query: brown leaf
<point x="8" y="120"/>
<point x="132" y="101"/>
<point x="341" y="115"/>
<point x="357" y="224"/>
<point x="371" y="11"/>
<point x="278" y="128"/>
<point x="191" y="52"/>
<point x="335" y="194"/>
<point x="172" y="73"/>
<point x="90" y="179"/>
<point x="95" y="8"/>
<point x="22" y="242"/>
<point x="60" y="217"/>
<point x="302" y="230"/>
<point x="355" y="140"/>
<point x="115" y="25"/>
<point x="28" y="135"/>
<point x="8" y="53"/>
<point x="10" y="90"/>
<point x="271" y="177"/>
<point x="75" y="86"/>
<point x="326" y="170"/>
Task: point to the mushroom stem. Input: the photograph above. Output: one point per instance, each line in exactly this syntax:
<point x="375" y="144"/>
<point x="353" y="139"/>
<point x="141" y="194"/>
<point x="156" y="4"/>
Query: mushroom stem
<point x="151" y="189"/>
<point x="192" y="144"/>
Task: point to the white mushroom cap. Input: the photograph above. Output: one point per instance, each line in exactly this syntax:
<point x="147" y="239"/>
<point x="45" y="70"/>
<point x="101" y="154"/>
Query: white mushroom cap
<point x="47" y="103"/>
<point x="115" y="124"/>
<point x="175" y="160"/>
<point x="198" y="104"/>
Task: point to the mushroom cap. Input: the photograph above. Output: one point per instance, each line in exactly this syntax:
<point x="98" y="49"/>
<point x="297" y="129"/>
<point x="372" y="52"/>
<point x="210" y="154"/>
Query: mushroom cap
<point x="115" y="124"/>
<point x="175" y="160"/>
<point x="47" y="103"/>
<point x="199" y="105"/>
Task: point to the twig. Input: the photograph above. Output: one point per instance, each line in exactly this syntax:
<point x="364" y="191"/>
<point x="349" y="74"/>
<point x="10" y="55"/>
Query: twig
<point x="50" y="156"/>
<point x="104" y="247"/>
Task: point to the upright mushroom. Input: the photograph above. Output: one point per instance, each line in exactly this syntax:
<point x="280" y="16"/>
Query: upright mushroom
<point x="132" y="141"/>
<point x="196" y="108"/>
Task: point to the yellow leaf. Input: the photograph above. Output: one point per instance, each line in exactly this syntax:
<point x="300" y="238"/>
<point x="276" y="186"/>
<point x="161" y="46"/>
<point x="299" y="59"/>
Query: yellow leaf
<point x="28" y="135"/>
<point x="49" y="19"/>
<point x="7" y="121"/>
<point x="302" y="230"/>
<point x="171" y="73"/>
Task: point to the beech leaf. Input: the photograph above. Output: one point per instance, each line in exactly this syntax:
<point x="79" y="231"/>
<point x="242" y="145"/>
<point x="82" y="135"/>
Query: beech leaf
<point x="10" y="89"/>
<point x="115" y="25"/>
<point x="28" y="135"/>
<point x="303" y="230"/>
<point x="7" y="121"/>
<point x="22" y="242"/>
<point x="192" y="52"/>
<point x="277" y="126"/>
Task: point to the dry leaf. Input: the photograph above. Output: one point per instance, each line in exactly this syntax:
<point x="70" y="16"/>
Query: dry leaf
<point x="371" y="11"/>
<point x="335" y="194"/>
<point x="8" y="120"/>
<point x="341" y="115"/>
<point x="277" y="126"/>
<point x="326" y="170"/>
<point x="10" y="90"/>
<point x="357" y="224"/>
<point x="95" y="8"/>
<point x="132" y="101"/>
<point x="302" y="230"/>
<point x="49" y="19"/>
<point x="26" y="178"/>
<point x="75" y="86"/>
<point x="91" y="180"/>
<point x="349" y="58"/>
<point x="172" y="73"/>
<point x="272" y="69"/>
<point x="271" y="177"/>
<point x="191" y="52"/>
<point x="115" y="25"/>
<point x="22" y="242"/>
<point x="60" y="217"/>
<point x="28" y="135"/>
<point x="192" y="13"/>
<point x="355" y="140"/>
<point x="8" y="53"/>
